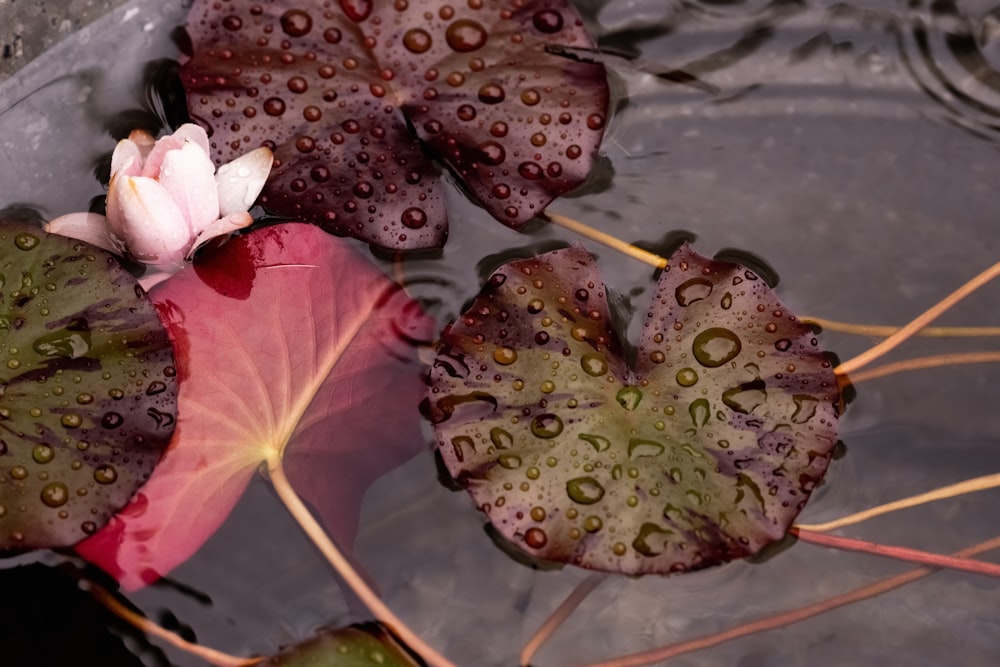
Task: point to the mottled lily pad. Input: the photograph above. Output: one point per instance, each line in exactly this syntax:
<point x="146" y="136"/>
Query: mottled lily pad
<point x="350" y="96"/>
<point x="88" y="392"/>
<point x="704" y="451"/>
<point x="367" y="645"/>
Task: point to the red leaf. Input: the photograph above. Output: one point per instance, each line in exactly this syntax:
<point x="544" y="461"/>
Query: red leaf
<point x="349" y="95"/>
<point x="292" y="356"/>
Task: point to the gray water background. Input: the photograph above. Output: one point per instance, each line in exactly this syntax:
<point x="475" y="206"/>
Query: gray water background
<point x="853" y="145"/>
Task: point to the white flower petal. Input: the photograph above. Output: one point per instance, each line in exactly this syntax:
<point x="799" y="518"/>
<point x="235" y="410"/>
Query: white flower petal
<point x="127" y="159"/>
<point x="221" y="227"/>
<point x="148" y="221"/>
<point x="89" y="227"/>
<point x="241" y="180"/>
<point x="188" y="175"/>
<point x="194" y="133"/>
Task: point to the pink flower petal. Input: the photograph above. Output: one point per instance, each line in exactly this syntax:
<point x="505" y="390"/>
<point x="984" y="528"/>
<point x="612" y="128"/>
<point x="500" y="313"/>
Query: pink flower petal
<point x="143" y="140"/>
<point x="188" y="175"/>
<point x="143" y="216"/>
<point x="195" y="134"/>
<point x="89" y="227"/>
<point x="241" y="180"/>
<point x="127" y="159"/>
<point x="221" y="227"/>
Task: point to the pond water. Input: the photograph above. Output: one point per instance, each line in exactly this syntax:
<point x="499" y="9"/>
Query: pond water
<point x="853" y="145"/>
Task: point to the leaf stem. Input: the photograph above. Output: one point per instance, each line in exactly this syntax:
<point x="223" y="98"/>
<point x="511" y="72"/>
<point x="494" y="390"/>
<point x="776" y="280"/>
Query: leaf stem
<point x="589" y="232"/>
<point x="884" y="331"/>
<point x="379" y="609"/>
<point x="918" y="323"/>
<point x="788" y="617"/>
<point x="950" y="491"/>
<point x="559" y="616"/>
<point x="209" y="655"/>
<point x="899" y="553"/>
<point x="921" y="363"/>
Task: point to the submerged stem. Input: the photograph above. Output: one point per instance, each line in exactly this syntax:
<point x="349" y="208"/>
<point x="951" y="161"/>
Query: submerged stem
<point x="921" y="363"/>
<point x="559" y="616"/>
<point x="788" y="617"/>
<point x="918" y="323"/>
<point x="899" y="553"/>
<point x="379" y="609"/>
<point x="950" y="491"/>
<point x="209" y="655"/>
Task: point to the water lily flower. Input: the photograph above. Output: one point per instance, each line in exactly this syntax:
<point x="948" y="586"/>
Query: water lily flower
<point x="165" y="198"/>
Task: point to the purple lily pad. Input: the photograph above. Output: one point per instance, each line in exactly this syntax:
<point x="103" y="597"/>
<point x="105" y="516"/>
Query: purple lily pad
<point x="352" y="96"/>
<point x="88" y="390"/>
<point x="702" y="452"/>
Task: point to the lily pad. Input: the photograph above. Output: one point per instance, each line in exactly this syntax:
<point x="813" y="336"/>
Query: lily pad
<point x="88" y="390"/>
<point x="701" y="452"/>
<point x="351" y="96"/>
<point x="365" y="645"/>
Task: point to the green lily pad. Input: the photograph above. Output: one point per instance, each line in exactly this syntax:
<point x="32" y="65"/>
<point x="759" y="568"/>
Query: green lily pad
<point x="702" y="451"/>
<point x="366" y="645"/>
<point x="88" y="392"/>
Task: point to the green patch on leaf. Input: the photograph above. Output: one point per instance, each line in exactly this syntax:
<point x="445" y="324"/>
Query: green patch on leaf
<point x="367" y="645"/>
<point x="704" y="451"/>
<point x="88" y="393"/>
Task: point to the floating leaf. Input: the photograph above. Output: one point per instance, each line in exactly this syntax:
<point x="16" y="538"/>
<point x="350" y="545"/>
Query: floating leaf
<point x="702" y="452"/>
<point x="349" y="95"/>
<point x="88" y="395"/>
<point x="367" y="645"/>
<point x="289" y="343"/>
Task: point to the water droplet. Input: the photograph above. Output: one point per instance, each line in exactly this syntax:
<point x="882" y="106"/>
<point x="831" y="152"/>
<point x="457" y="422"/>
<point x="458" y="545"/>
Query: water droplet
<point x="413" y="217"/>
<point x="105" y="474"/>
<point x="584" y="490"/>
<point x="546" y="425"/>
<point x="274" y="106"/>
<point x="491" y="93"/>
<point x="548" y="21"/>
<point x="641" y="448"/>
<point x="465" y="35"/>
<point x="805" y="408"/>
<point x="573" y="152"/>
<point x="595" y="121"/>
<point x="504" y="356"/>
<point x="746" y="397"/>
<point x="548" y="387"/>
<point x="532" y="473"/>
<point x="687" y="377"/>
<point x="71" y="420"/>
<point x="112" y="420"/>
<point x="538" y="513"/>
<point x="782" y="345"/>
<point x="356" y="10"/>
<point x="628" y="397"/>
<point x="417" y="40"/>
<point x="599" y="442"/>
<point x="700" y="412"/>
<point x="509" y="461"/>
<point x="530" y="97"/>
<point x="651" y="540"/>
<point x="42" y="453"/>
<point x="535" y="538"/>
<point x="297" y="84"/>
<point x="466" y="112"/>
<point x="693" y="290"/>
<point x="594" y="364"/>
<point x="458" y="445"/>
<point x="491" y="153"/>
<point x="55" y="494"/>
<point x="695" y="497"/>
<point x="530" y="170"/>
<point x="296" y="22"/>
<point x="715" y="347"/>
<point x="311" y="114"/>
<point x="501" y="438"/>
<point x="499" y="129"/>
